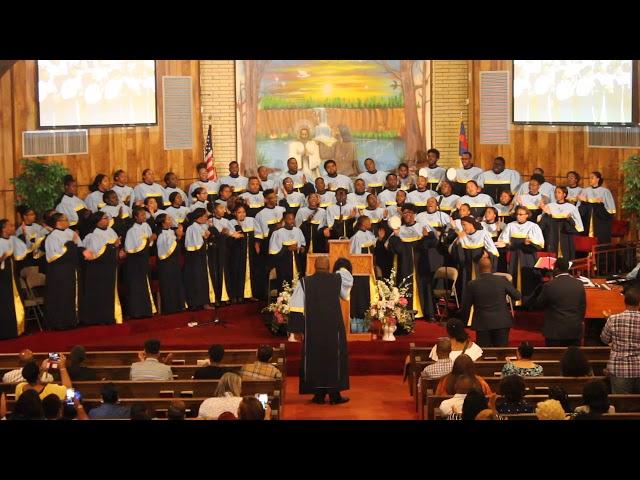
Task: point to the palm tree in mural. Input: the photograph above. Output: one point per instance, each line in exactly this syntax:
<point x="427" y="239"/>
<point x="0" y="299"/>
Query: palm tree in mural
<point x="247" y="105"/>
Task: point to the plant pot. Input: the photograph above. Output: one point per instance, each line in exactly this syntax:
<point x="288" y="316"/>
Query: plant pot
<point x="387" y="333"/>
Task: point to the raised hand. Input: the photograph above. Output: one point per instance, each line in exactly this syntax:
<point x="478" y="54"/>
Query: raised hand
<point x="179" y="232"/>
<point x="88" y="255"/>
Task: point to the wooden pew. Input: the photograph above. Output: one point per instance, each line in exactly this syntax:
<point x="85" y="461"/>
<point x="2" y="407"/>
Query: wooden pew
<point x="9" y="361"/>
<point x="622" y="403"/>
<point x="606" y="416"/>
<point x="534" y="385"/>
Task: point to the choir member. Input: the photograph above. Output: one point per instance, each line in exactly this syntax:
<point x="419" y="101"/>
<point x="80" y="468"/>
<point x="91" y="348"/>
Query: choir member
<point x="74" y="209"/>
<point x="218" y="256"/>
<point x="440" y="223"/>
<point x="498" y="179"/>
<point x="373" y="178"/>
<point x="396" y="210"/>
<point x="100" y="185"/>
<point x="411" y="243"/>
<point x="137" y="244"/>
<point x="124" y="191"/>
<point x="253" y="197"/>
<point x="312" y="220"/>
<point x="363" y="241"/>
<point x="358" y="198"/>
<point x="523" y="238"/>
<point x="200" y="199"/>
<point x="478" y="202"/>
<point x="243" y="257"/>
<point x="197" y="281"/>
<point x="448" y="200"/>
<point x="172" y="297"/>
<point x="266" y="183"/>
<point x="387" y="197"/>
<point x="560" y="222"/>
<point x="341" y="217"/>
<point x="148" y="188"/>
<point x="334" y="180"/>
<point x="298" y="177"/>
<point x="546" y="188"/>
<point x="119" y="214"/>
<point x="493" y="224"/>
<point x="286" y="247"/>
<point x="290" y="199"/>
<point x="597" y="209"/>
<point x="32" y="234"/>
<point x="171" y="186"/>
<point x="378" y="215"/>
<point x="472" y="244"/>
<point x="176" y="210"/>
<point x="211" y="186"/>
<point x="534" y="200"/>
<point x="505" y="207"/>
<point x="266" y="221"/>
<point x="62" y="295"/>
<point x="12" y="316"/>
<point x="432" y="172"/>
<point x="225" y="198"/>
<point x="406" y="180"/>
<point x="327" y="197"/>
<point x="237" y="182"/>
<point x="466" y="173"/>
<point x="100" y="304"/>
<point x="573" y="187"/>
<point x="421" y="194"/>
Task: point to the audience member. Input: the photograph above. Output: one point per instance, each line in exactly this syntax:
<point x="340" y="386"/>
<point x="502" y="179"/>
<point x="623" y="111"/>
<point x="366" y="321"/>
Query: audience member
<point x="550" y="410"/>
<point x="77" y="371"/>
<point x="32" y="374"/>
<point x="212" y="371"/>
<point x="460" y="343"/>
<point x="251" y="408"/>
<point x="227" y="416"/>
<point x="443" y="365"/>
<point x="558" y="393"/>
<point x="523" y="365"/>
<point x="595" y="399"/>
<point x="226" y="398"/>
<point x="262" y="369"/>
<point x="150" y="367"/>
<point x="52" y="407"/>
<point x="512" y="390"/>
<point x="574" y="363"/>
<point x="454" y="404"/>
<point x="177" y="410"/>
<point x="15" y="376"/>
<point x="110" y="408"/>
<point x="27" y="407"/>
<point x="463" y="365"/>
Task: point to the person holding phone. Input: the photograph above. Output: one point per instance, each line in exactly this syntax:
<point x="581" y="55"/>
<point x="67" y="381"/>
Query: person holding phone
<point x="32" y="374"/>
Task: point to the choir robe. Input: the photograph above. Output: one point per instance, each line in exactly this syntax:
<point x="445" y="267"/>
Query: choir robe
<point x="547" y="189"/>
<point x="412" y="265"/>
<point x="463" y="175"/>
<point x="359" y="200"/>
<point x="434" y="176"/>
<point x="597" y="216"/>
<point x="218" y="256"/>
<point x="288" y="264"/>
<point x="493" y="184"/>
<point x="448" y="203"/>
<point x="315" y="312"/>
<point x="265" y="223"/>
<point x="298" y="182"/>
<point x="505" y="212"/>
<point x="374" y="181"/>
<point x="533" y="202"/>
<point x="32" y="235"/>
<point x="100" y="302"/>
<point x="478" y="203"/>
<point x="12" y="315"/>
<point x="255" y="202"/>
<point x="408" y="183"/>
<point x="243" y="258"/>
<point x="492" y="229"/>
<point x="341" y="228"/>
<point x="327" y="199"/>
<point x="364" y="287"/>
<point x="146" y="190"/>
<point x="210" y="185"/>
<point x="291" y="202"/>
<point x="387" y="197"/>
<point x="338" y="181"/>
<point x="419" y="199"/>
<point x="172" y="298"/>
<point x="198" y="287"/>
<point x="137" y="245"/>
<point x="76" y="211"/>
<point x="95" y="201"/>
<point x="377" y="216"/>
<point x="268" y="184"/>
<point x="573" y="193"/>
<point x="179" y="214"/>
<point x="238" y="183"/>
<point x="167" y="191"/>
<point x="119" y="223"/>
<point x="200" y="204"/>
<point x="62" y="293"/>
<point x="312" y="229"/>
<point x="469" y="251"/>
<point x="440" y="222"/>
<point x="227" y="214"/>
<point x="124" y="192"/>
<point x="523" y="256"/>
<point x="395" y="210"/>
<point x="559" y="230"/>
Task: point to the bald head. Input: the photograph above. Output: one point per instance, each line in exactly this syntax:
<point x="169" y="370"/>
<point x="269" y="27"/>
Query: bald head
<point x="25" y="357"/>
<point x="322" y="264"/>
<point x="485" y="265"/>
<point x="443" y="347"/>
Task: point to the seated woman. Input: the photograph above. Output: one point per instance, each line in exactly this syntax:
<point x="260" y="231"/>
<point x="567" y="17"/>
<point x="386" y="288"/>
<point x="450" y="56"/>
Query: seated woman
<point x="550" y="410"/>
<point x="462" y="366"/>
<point x="596" y="401"/>
<point x="523" y="365"/>
<point x="512" y="391"/>
<point x="227" y="397"/>
<point x="574" y="363"/>
<point x="460" y="343"/>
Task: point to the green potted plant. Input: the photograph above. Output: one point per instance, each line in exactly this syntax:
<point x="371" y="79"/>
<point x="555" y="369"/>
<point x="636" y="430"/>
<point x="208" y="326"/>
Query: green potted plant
<point x="40" y="183"/>
<point x="631" y="195"/>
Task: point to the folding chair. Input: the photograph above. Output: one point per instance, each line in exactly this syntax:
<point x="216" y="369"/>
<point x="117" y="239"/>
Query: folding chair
<point x="446" y="274"/>
<point x="33" y="303"/>
<point x="272" y="292"/>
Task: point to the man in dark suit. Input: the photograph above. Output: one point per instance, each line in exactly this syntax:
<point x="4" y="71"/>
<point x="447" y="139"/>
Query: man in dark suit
<point x="484" y="302"/>
<point x="565" y="302"/>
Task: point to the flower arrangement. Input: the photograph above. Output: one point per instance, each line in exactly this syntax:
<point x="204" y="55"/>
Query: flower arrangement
<point x="280" y="309"/>
<point x="392" y="305"/>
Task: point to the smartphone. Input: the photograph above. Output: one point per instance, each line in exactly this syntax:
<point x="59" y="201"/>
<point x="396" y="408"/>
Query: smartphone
<point x="54" y="359"/>
<point x="264" y="399"/>
<point x="71" y="394"/>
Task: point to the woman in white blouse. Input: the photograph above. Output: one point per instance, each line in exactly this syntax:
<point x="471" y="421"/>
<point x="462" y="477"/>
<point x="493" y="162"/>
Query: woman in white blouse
<point x="460" y="342"/>
<point x="227" y="398"/>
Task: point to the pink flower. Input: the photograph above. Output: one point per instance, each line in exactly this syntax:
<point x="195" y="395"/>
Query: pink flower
<point x="279" y="317"/>
<point x="391" y="320"/>
<point x="403" y="301"/>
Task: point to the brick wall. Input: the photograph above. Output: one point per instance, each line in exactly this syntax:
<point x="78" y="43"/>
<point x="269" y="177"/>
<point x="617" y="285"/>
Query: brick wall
<point x="450" y="92"/>
<point x="217" y="92"/>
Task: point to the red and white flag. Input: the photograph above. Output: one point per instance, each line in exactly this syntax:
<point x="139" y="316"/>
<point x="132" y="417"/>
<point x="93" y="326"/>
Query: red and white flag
<point x="208" y="157"/>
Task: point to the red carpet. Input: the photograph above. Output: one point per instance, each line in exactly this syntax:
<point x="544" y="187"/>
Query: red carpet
<point x="245" y="329"/>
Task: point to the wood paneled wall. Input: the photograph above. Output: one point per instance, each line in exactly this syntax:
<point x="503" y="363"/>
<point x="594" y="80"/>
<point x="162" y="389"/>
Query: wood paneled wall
<point x="130" y="148"/>
<point x="556" y="150"/>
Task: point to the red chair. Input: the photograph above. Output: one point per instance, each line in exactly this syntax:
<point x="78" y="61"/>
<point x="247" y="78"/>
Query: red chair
<point x="584" y="244"/>
<point x="619" y="228"/>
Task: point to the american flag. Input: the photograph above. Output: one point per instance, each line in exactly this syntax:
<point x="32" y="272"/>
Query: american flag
<point x="208" y="157"/>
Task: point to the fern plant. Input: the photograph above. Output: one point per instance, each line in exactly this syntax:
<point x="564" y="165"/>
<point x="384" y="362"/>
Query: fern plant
<point x="40" y="183"/>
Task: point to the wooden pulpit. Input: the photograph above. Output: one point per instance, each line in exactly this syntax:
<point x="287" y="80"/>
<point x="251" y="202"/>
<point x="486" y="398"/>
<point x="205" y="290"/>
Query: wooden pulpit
<point x="362" y="266"/>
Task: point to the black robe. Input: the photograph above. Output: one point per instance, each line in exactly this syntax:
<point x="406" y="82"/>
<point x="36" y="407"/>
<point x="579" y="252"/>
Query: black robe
<point x="218" y="256"/>
<point x="558" y="235"/>
<point x="139" y="300"/>
<point x="243" y="282"/>
<point x="521" y="267"/>
<point x="11" y="307"/>
<point x="172" y="298"/>
<point x="197" y="281"/>
<point x="602" y="220"/>
<point x="99" y="298"/>
<point x="62" y="293"/>
<point x="325" y="362"/>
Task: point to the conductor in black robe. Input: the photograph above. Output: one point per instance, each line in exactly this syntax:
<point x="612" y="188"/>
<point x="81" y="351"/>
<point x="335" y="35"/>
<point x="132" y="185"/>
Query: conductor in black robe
<point x="316" y="319"/>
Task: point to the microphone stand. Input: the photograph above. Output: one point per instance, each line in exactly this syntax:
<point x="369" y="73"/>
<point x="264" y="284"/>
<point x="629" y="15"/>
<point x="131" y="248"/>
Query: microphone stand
<point x="440" y="247"/>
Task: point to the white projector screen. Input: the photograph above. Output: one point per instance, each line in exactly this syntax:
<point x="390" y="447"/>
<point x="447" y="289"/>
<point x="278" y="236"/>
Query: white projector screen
<point x="572" y="91"/>
<point x="96" y="92"/>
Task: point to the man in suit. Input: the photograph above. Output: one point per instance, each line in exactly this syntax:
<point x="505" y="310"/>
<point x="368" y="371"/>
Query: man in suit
<point x="484" y="301"/>
<point x="564" y="302"/>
